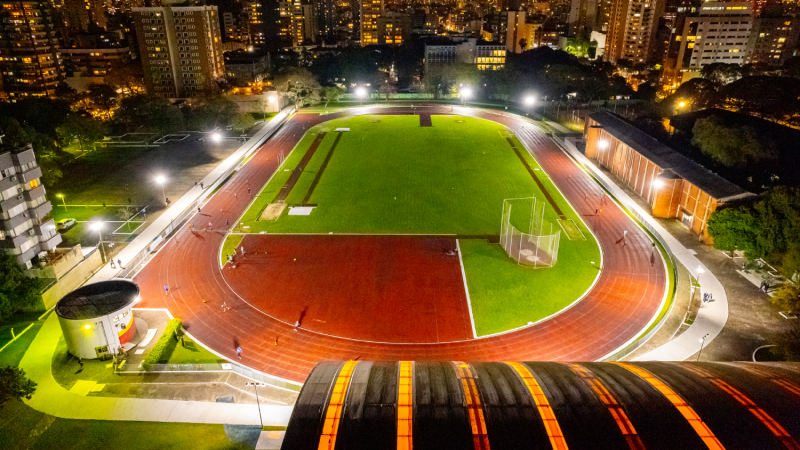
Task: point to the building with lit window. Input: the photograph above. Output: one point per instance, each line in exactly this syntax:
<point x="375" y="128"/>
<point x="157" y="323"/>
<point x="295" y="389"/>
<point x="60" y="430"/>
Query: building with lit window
<point x="485" y="55"/>
<point x="30" y="53"/>
<point x="26" y="228"/>
<point x="95" y="55"/>
<point x="86" y="15"/>
<point x="297" y="23"/>
<point x="180" y="48"/>
<point x="632" y="27"/>
<point x="717" y="33"/>
<point x="772" y="40"/>
<point x="394" y="28"/>
<point x="369" y="12"/>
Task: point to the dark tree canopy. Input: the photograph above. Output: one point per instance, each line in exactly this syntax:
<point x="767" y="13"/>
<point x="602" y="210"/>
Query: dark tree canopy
<point x="17" y="290"/>
<point x="730" y="146"/>
<point x="14" y="385"/>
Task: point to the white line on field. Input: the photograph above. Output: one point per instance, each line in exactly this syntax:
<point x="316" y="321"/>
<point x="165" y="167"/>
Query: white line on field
<point x="466" y="290"/>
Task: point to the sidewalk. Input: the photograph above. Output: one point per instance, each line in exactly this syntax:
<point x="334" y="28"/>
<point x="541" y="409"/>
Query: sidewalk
<point x="712" y="316"/>
<point x="155" y="232"/>
<point x="50" y="398"/>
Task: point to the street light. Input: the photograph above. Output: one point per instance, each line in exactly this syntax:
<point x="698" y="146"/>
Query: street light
<point x="161" y="180"/>
<point x="466" y="92"/>
<point x="603" y="145"/>
<point x="98" y="226"/>
<point x="256" y="386"/>
<point x="361" y="93"/>
<point x="529" y="100"/>
<point x="702" y="341"/>
<point x="216" y="137"/>
<point x="64" y="202"/>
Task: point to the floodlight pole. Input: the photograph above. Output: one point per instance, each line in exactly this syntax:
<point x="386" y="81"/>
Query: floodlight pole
<point x="258" y="403"/>
<point x="100" y="243"/>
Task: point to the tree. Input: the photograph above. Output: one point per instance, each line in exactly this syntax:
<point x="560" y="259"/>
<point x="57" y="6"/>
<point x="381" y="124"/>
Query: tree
<point x="730" y="146"/>
<point x="772" y="98"/>
<point x="216" y="112"/>
<point x="17" y="290"/>
<point x="387" y="90"/>
<point x="14" y="385"/>
<point x="331" y="94"/>
<point x="722" y="73"/>
<point x="787" y="298"/>
<point x="299" y="85"/>
<point x="733" y="228"/>
<point x="103" y="97"/>
<point x="126" y="213"/>
<point x="128" y="79"/>
<point x="778" y="216"/>
<point x="151" y="113"/>
<point x="86" y="130"/>
<point x="243" y="122"/>
<point x="788" y="344"/>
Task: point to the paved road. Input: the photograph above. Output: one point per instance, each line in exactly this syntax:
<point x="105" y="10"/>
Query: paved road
<point x="625" y="298"/>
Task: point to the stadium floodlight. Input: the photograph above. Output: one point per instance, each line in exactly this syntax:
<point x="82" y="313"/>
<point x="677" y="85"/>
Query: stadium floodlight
<point x="361" y="92"/>
<point x="466" y="93"/>
<point x="529" y="100"/>
<point x="216" y="137"/>
<point x="161" y="180"/>
<point x="98" y="226"/>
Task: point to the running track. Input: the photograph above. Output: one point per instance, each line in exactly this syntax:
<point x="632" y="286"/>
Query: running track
<point x="626" y="296"/>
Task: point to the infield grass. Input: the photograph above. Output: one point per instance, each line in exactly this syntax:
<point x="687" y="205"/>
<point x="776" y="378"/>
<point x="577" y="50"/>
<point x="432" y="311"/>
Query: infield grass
<point x="388" y="175"/>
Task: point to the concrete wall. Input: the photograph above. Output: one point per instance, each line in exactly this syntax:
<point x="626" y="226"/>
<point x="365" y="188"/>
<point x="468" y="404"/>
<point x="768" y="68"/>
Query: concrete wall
<point x="255" y="103"/>
<point x="72" y="280"/>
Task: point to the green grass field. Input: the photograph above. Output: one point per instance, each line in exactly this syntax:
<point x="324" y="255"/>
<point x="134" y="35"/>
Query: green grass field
<point x="388" y="175"/>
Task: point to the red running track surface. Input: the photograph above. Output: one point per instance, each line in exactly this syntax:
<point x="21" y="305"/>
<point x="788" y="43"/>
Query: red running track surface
<point x="373" y="288"/>
<point x="626" y="296"/>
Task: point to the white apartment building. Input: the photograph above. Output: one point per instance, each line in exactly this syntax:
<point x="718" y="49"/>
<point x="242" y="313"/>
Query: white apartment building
<point x="180" y="48"/>
<point x="717" y="33"/>
<point x="26" y="229"/>
<point x="485" y="55"/>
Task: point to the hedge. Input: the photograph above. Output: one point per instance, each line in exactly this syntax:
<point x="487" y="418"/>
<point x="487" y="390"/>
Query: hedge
<point x="159" y="351"/>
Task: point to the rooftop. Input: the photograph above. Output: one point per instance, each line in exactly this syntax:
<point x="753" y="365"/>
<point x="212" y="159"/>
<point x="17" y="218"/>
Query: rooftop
<point x="668" y="158"/>
<point x="98" y="299"/>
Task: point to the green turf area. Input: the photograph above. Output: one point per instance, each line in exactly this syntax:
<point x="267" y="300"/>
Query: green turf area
<point x="389" y="175"/>
<point x="229" y="246"/>
<point x="192" y="354"/>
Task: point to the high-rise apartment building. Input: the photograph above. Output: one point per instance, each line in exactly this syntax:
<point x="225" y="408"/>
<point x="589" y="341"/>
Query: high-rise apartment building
<point x="369" y="13"/>
<point x="30" y="54"/>
<point x="86" y="15"/>
<point x="180" y="48"/>
<point x="297" y="23"/>
<point x="772" y="40"/>
<point x="717" y="33"/>
<point x="586" y="16"/>
<point x="26" y="229"/>
<point x="522" y="33"/>
<point x="394" y="28"/>
<point x="632" y="28"/>
<point x="325" y="11"/>
<point x="236" y="27"/>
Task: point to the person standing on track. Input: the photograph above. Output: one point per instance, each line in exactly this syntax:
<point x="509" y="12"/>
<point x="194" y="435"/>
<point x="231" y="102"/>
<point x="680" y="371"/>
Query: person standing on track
<point x="242" y="250"/>
<point x="239" y="352"/>
<point x="166" y="289"/>
<point x="210" y="227"/>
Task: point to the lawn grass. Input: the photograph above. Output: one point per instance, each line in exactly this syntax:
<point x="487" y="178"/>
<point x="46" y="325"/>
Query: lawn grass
<point x="22" y="427"/>
<point x="193" y="354"/>
<point x="229" y="246"/>
<point x="391" y="176"/>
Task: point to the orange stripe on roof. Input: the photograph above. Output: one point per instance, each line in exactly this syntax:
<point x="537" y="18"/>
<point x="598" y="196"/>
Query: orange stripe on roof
<point x="688" y="413"/>
<point x="543" y="405"/>
<point x="405" y="406"/>
<point x="790" y="386"/>
<point x="774" y="427"/>
<point x="605" y="396"/>
<point x="327" y="440"/>
<point x="480" y="437"/>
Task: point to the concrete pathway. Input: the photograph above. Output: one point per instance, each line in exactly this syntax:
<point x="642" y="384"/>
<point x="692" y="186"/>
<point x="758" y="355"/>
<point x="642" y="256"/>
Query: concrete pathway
<point x="712" y="316"/>
<point x="155" y="232"/>
<point x="51" y="398"/>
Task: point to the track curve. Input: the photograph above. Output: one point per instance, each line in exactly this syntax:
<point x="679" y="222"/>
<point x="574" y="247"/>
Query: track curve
<point x="624" y="299"/>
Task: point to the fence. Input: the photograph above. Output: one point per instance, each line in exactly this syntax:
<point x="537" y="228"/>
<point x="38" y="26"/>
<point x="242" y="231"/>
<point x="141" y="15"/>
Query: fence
<point x="530" y="249"/>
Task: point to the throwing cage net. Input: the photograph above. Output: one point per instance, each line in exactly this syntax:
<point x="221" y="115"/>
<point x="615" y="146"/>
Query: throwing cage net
<point x="538" y="247"/>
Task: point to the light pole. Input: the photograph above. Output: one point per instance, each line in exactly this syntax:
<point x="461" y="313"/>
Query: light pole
<point x="63" y="202"/>
<point x="216" y="137"/>
<point x="465" y="92"/>
<point x="361" y="92"/>
<point x="256" y="386"/>
<point x="98" y="226"/>
<point x="702" y="341"/>
<point x="529" y="102"/>
<point x="161" y="180"/>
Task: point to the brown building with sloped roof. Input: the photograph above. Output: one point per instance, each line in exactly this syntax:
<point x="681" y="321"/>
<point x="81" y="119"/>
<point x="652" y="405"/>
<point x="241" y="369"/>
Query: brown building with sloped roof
<point x="672" y="184"/>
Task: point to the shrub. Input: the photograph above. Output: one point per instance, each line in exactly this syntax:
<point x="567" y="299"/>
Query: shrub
<point x="164" y="345"/>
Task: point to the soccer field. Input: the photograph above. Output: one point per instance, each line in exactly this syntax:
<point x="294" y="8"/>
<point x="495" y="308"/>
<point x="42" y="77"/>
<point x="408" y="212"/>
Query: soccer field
<point x="389" y="175"/>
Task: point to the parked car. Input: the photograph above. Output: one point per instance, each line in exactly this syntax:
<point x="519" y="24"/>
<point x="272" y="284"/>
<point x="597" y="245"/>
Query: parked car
<point x="65" y="224"/>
